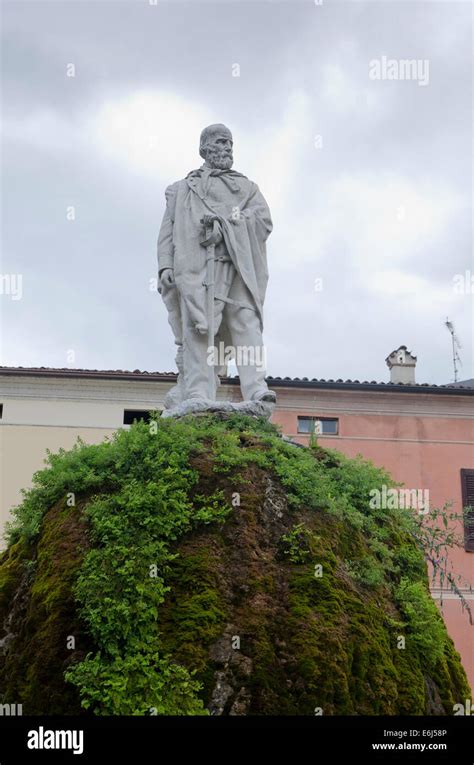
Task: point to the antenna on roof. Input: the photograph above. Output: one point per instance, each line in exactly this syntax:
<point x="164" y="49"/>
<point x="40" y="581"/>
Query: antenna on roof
<point x="456" y="344"/>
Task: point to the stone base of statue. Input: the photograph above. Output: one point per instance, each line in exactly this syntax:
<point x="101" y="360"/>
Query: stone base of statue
<point x="224" y="408"/>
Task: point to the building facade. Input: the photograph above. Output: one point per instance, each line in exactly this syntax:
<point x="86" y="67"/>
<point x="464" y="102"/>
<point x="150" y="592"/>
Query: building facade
<point x="423" y="435"/>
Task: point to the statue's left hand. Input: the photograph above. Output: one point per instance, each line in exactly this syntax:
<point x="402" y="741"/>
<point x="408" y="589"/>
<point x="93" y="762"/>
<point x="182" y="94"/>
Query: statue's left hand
<point x="166" y="277"/>
<point x="208" y="220"/>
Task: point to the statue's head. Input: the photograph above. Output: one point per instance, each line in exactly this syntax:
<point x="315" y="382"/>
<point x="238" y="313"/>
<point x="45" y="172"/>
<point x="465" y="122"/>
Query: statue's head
<point x="215" y="146"/>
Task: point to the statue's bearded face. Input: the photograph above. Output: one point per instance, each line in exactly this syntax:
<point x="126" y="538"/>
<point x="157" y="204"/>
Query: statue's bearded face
<point x="218" y="152"/>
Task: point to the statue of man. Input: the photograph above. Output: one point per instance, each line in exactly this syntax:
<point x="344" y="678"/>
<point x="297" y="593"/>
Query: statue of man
<point x="213" y="284"/>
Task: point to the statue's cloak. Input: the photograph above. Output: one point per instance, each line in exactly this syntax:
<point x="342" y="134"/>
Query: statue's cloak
<point x="245" y="222"/>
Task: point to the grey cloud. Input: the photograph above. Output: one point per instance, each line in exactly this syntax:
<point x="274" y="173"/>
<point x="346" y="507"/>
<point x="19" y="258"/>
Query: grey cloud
<point x="86" y="283"/>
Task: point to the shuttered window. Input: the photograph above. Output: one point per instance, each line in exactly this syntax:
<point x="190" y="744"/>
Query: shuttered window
<point x="467" y="488"/>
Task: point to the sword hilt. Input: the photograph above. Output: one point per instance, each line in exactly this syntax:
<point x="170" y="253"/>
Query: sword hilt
<point x="212" y="234"/>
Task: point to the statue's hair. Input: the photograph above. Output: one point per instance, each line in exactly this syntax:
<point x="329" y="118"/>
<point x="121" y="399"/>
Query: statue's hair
<point x="209" y="132"/>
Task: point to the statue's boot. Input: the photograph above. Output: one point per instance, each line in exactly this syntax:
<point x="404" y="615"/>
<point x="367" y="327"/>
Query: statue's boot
<point x="265" y="395"/>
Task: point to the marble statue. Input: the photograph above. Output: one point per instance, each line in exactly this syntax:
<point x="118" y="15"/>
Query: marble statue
<point x="212" y="268"/>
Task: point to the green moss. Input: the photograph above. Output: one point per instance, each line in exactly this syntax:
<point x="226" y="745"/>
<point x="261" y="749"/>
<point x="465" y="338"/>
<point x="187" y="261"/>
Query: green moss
<point x="12" y="564"/>
<point x="39" y="654"/>
<point x="341" y="646"/>
<point x="450" y="679"/>
<point x="411" y="692"/>
<point x="194" y="611"/>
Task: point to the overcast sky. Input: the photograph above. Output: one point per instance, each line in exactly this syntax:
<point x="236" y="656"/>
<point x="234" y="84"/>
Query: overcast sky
<point x="369" y="180"/>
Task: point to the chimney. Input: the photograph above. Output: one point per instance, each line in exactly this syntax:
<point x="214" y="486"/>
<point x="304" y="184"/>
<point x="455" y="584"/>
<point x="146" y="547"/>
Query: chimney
<point x="402" y="366"/>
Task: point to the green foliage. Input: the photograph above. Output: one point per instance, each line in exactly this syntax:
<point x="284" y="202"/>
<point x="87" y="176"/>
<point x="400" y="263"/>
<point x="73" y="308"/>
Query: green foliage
<point x="137" y="684"/>
<point x="367" y="571"/>
<point x="408" y="561"/>
<point x="296" y="545"/>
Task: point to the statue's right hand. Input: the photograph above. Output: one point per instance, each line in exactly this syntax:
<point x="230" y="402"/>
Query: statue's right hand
<point x="167" y="277"/>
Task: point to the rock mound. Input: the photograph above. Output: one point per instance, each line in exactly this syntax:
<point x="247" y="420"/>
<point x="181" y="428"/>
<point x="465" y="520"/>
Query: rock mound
<point x="203" y="565"/>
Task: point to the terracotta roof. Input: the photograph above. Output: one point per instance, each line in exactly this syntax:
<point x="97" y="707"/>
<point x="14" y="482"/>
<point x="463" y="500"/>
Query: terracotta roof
<point x="279" y="382"/>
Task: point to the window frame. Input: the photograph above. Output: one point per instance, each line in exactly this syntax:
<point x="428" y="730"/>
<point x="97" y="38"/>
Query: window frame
<point x="467" y="501"/>
<point x="145" y="418"/>
<point x="313" y="419"/>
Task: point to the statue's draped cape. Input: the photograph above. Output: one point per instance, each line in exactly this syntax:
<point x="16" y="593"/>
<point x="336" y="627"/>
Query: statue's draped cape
<point x="231" y="196"/>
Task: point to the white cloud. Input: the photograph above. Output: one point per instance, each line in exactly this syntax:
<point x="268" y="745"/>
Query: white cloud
<point x="274" y="152"/>
<point x="344" y="93"/>
<point x="380" y="220"/>
<point x="152" y="133"/>
<point x="393" y="216"/>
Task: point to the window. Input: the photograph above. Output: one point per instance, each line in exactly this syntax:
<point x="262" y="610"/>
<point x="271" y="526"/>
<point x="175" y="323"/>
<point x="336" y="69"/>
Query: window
<point x="1" y="411"/>
<point x="135" y="415"/>
<point x="326" y="426"/>
<point x="467" y="489"/>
